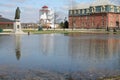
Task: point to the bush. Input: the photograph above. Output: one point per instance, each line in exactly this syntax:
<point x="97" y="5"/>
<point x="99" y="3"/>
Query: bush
<point x="1" y="30"/>
<point x="61" y="25"/>
<point x="40" y="28"/>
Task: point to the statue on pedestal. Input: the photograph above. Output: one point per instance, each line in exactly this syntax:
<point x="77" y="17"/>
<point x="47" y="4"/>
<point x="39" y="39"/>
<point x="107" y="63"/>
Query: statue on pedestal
<point x="17" y="24"/>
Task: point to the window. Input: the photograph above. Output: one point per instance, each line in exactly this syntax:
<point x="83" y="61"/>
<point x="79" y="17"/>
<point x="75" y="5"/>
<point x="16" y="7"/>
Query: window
<point x="70" y="11"/>
<point x="76" y="11"/>
<point x="87" y="10"/>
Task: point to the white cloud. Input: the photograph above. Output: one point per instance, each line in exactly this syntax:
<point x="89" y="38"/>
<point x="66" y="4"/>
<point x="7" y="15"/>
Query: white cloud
<point x="29" y="14"/>
<point x="7" y="5"/>
<point x="8" y="14"/>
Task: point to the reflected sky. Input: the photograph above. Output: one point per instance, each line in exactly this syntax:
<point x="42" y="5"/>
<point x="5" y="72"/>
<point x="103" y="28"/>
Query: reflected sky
<point x="61" y="53"/>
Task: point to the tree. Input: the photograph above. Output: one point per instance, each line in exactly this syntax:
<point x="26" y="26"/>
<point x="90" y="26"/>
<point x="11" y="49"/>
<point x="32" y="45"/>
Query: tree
<point x="1" y="30"/>
<point x="62" y="25"/>
<point x="66" y="24"/>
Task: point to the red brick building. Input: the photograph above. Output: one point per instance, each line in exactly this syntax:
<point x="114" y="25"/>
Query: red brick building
<point x="101" y="16"/>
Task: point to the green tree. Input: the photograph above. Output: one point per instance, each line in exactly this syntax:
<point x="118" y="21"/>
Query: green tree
<point x="62" y="25"/>
<point x="66" y="24"/>
<point x="1" y="30"/>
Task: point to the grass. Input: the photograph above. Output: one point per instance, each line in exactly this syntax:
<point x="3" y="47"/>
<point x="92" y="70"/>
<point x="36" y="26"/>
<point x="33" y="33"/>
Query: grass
<point x="6" y="31"/>
<point x="66" y="31"/>
<point x="69" y="31"/>
<point x="47" y="31"/>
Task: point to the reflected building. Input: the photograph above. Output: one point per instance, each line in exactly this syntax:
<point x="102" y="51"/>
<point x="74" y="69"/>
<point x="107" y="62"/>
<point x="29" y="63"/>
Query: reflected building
<point x="81" y="47"/>
<point x="48" y="44"/>
<point x="88" y="53"/>
<point x="114" y="50"/>
<point x="18" y="46"/>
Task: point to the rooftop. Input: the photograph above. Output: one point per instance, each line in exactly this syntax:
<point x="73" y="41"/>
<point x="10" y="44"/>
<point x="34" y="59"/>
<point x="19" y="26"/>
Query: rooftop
<point x="5" y="20"/>
<point x="45" y="7"/>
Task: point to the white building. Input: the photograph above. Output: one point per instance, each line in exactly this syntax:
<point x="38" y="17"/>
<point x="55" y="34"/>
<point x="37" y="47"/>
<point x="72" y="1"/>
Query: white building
<point x="46" y="17"/>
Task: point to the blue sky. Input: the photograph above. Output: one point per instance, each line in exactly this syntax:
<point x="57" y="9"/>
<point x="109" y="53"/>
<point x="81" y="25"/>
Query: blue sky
<point x="30" y="8"/>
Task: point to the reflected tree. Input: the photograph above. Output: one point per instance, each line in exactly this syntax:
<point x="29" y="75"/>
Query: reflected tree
<point x="69" y="77"/>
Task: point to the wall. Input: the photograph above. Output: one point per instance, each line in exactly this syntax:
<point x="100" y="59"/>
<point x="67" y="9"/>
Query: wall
<point x="96" y="20"/>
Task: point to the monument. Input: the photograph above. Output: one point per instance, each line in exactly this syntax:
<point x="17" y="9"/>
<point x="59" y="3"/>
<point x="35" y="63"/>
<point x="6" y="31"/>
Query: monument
<point x="17" y="24"/>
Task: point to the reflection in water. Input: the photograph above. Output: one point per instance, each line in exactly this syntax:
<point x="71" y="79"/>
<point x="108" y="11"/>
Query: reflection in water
<point x="48" y="44"/>
<point x="92" y="52"/>
<point x="79" y="54"/>
<point x="17" y="46"/>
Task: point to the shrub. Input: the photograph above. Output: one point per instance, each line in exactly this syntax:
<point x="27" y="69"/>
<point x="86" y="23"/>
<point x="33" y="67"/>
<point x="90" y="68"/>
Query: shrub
<point x="1" y="30"/>
<point x="40" y="28"/>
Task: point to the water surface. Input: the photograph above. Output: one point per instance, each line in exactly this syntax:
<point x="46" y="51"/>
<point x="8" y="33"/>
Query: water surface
<point x="71" y="53"/>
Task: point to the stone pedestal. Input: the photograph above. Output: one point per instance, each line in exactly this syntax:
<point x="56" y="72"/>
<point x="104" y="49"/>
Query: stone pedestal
<point x="17" y="27"/>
